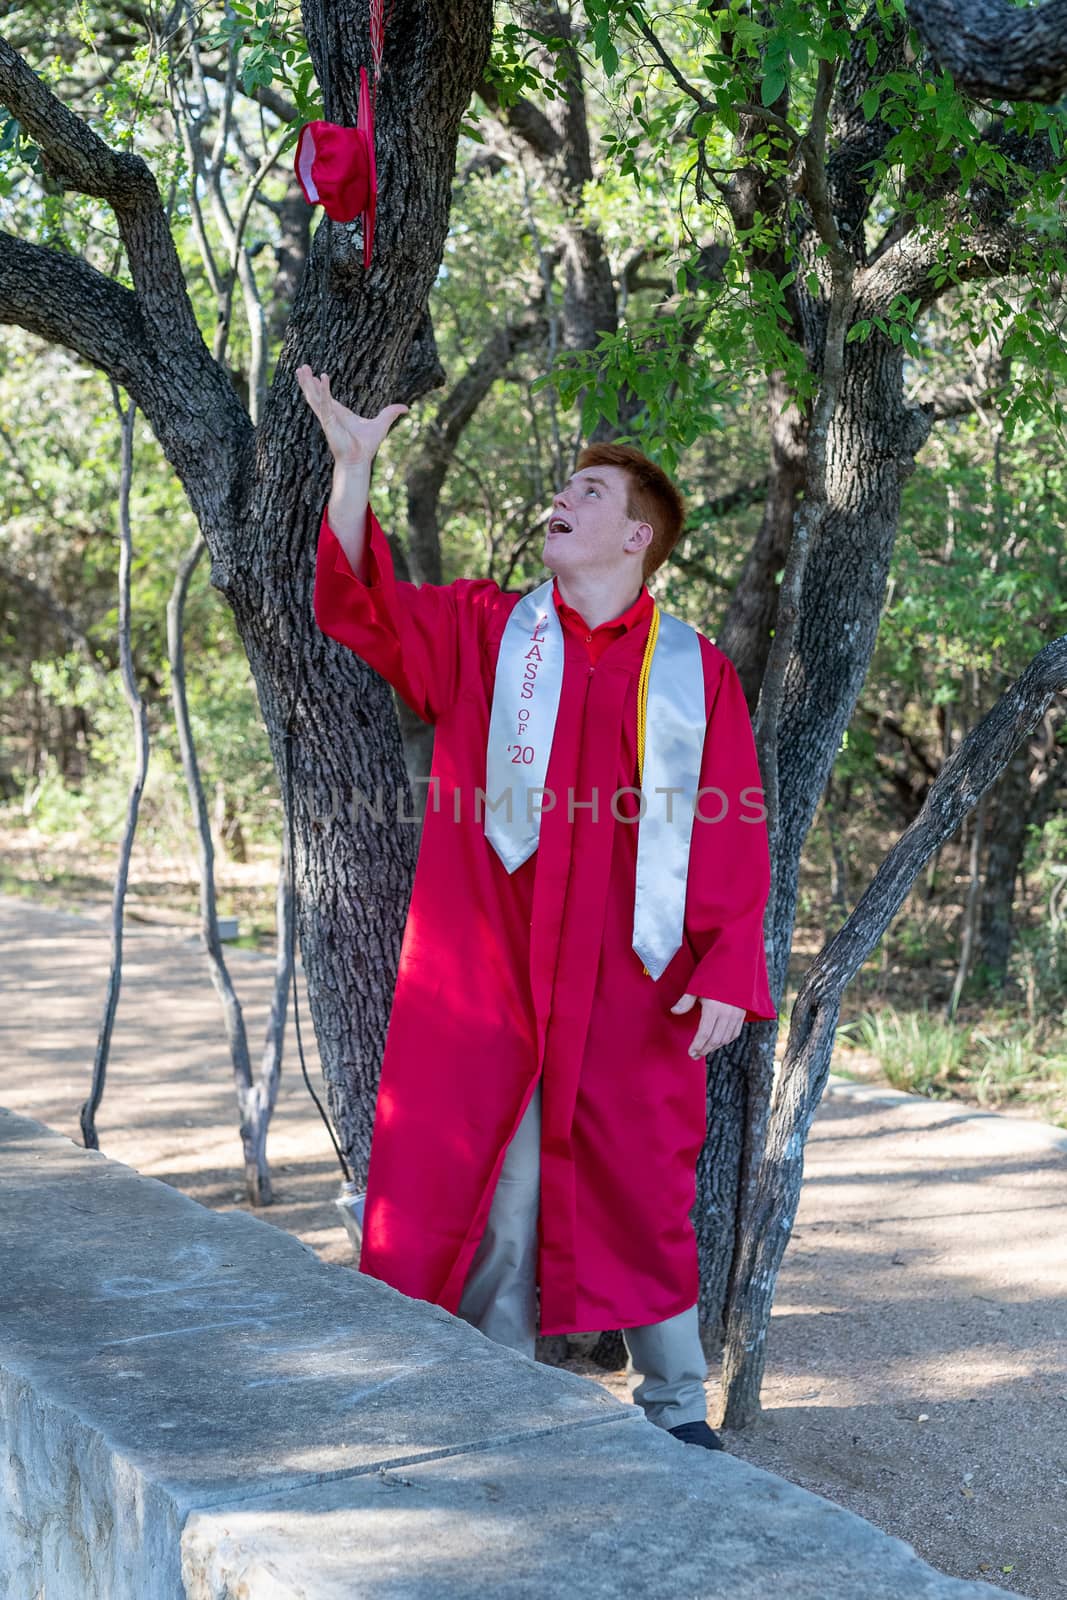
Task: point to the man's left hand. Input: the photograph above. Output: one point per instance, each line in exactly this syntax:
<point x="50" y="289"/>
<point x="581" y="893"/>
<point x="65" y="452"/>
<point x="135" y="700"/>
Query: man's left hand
<point x="719" y="1023"/>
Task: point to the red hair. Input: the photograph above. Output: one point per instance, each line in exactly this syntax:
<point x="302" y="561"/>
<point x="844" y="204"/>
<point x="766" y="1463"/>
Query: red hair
<point x="652" y="497"/>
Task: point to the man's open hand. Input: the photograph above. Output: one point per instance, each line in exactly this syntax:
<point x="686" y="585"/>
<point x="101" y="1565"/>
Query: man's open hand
<point x="353" y="440"/>
<point x="719" y="1023"/>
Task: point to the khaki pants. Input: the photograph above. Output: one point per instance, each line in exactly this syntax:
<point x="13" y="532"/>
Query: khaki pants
<point x="667" y="1367"/>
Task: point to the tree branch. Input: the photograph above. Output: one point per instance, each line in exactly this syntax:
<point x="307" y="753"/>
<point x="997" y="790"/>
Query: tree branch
<point x="147" y="341"/>
<point x="995" y="50"/>
<point x="812" y="149"/>
<point x="268" y="97"/>
<point x="50" y="607"/>
<point x="915" y="266"/>
<point x="526" y="121"/>
<point x="962" y="781"/>
<point x="687" y="88"/>
<point x="72" y="154"/>
<point x="772" y="118"/>
<point x="64" y="300"/>
<point x="426" y="474"/>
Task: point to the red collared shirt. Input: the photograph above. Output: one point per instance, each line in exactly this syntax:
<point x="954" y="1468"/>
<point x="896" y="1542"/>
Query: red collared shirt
<point x="596" y="640"/>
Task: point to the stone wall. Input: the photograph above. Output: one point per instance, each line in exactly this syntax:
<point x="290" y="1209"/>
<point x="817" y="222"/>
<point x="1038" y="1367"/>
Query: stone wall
<point x="194" y="1407"/>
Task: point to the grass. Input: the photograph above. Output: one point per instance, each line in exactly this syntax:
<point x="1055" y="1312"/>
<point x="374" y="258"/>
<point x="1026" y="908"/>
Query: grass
<point x="996" y="1061"/>
<point x="915" y="1051"/>
<point x="1004" y="1052"/>
<point x="71" y="873"/>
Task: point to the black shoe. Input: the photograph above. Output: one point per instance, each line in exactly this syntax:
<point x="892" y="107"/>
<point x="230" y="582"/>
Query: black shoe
<point x="697" y="1433"/>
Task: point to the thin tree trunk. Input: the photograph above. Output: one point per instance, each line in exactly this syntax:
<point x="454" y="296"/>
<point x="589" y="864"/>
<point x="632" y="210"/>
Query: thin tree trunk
<point x="971" y="909"/>
<point x="133" y="804"/>
<point x="838" y="862"/>
<point x="748" y="626"/>
<point x="1006" y="834"/>
<point x="263" y="1094"/>
<point x="872" y="442"/>
<point x="747" y="1066"/>
<point x="255" y="1100"/>
<point x="802" y="1078"/>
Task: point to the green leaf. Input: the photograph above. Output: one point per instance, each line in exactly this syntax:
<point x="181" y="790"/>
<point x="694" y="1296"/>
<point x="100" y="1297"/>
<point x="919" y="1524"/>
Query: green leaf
<point x="771" y="88"/>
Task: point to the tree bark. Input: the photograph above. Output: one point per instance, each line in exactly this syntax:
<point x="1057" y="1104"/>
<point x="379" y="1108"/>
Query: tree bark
<point x="559" y="139"/>
<point x="802" y="1077"/>
<point x="133" y="804"/>
<point x="353" y="863"/>
<point x="255" y="1097"/>
<point x="258" y="494"/>
<point x="995" y="50"/>
<point x="748" y="625"/>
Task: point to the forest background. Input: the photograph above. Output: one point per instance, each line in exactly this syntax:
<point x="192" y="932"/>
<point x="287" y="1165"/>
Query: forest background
<point x="599" y="276"/>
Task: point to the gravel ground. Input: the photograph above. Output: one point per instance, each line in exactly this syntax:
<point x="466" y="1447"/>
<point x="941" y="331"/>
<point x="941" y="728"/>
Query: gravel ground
<point x="917" y="1358"/>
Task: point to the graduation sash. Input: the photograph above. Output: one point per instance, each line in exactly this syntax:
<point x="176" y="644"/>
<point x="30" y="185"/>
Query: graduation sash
<point x="526" y="691"/>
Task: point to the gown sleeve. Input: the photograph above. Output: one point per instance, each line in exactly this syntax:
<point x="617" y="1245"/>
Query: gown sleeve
<point x="415" y="636"/>
<point x="729" y="867"/>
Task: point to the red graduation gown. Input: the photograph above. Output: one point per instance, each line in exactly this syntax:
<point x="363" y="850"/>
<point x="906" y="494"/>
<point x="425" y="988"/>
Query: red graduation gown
<point x="507" y="979"/>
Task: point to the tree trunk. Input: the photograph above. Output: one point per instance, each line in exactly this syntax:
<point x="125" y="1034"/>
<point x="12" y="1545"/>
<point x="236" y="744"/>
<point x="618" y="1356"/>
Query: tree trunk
<point x="719" y="1182"/>
<point x="995" y="50"/>
<point x="971" y="909"/>
<point x="255" y="1099"/>
<point x="749" y="622"/>
<point x="258" y="492"/>
<point x="873" y="439"/>
<point x="139" y="715"/>
<point x="802" y="1078"/>
<point x="342" y="766"/>
<point x="1006" y="842"/>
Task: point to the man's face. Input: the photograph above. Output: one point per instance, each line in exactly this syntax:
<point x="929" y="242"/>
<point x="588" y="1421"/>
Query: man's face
<point x="590" y="529"/>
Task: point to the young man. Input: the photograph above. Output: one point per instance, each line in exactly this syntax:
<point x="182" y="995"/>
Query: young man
<point x="592" y="879"/>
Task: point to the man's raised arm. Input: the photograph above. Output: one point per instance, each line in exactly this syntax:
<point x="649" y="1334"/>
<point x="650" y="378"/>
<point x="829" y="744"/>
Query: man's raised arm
<point x="421" y="638"/>
<point x="354" y="442"/>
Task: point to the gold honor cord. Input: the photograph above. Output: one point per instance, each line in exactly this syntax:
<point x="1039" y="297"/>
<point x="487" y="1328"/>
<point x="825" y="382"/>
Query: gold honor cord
<point x="642" y="702"/>
<point x="642" y="689"/>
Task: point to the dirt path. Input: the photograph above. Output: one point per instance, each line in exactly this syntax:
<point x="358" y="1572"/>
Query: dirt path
<point x="917" y="1359"/>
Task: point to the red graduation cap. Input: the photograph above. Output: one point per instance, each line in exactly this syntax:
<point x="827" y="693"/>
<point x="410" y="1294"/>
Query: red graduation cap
<point x="336" y="169"/>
